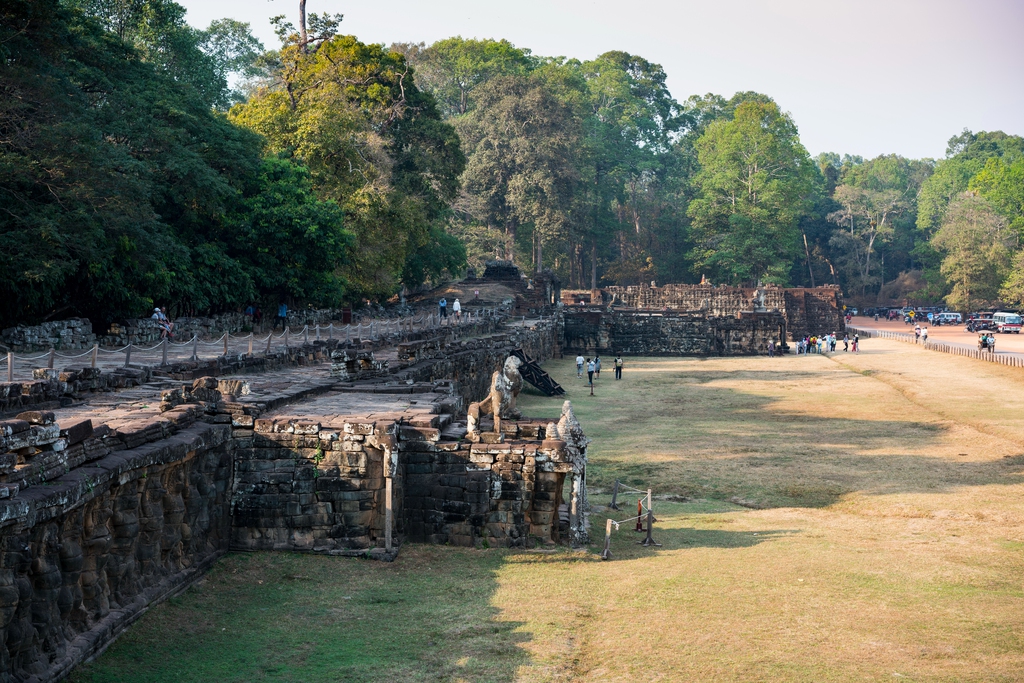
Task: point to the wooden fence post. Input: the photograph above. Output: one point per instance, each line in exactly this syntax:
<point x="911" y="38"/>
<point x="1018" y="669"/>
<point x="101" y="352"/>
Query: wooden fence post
<point x="128" y="355"/>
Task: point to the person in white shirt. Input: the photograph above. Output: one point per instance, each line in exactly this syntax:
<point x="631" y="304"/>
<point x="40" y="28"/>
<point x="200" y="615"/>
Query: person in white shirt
<point x="590" y="372"/>
<point x="579" y="366"/>
<point x="457" y="310"/>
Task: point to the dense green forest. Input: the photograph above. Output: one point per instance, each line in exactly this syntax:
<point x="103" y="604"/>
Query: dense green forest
<point x="143" y="161"/>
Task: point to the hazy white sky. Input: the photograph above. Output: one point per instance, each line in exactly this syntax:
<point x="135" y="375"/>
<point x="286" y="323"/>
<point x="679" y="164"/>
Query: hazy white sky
<point x="861" y="77"/>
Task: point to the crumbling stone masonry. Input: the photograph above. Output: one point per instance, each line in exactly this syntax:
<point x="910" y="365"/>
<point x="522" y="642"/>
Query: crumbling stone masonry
<point x="105" y="511"/>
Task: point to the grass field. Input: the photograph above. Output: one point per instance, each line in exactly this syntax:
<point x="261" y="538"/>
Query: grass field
<point x="855" y="518"/>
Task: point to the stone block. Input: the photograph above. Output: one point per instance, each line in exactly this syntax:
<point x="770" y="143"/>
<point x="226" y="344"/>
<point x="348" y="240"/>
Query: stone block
<point x="37" y="417"/>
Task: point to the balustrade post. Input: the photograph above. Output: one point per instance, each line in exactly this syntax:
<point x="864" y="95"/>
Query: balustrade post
<point x="163" y="350"/>
<point x="195" y="346"/>
<point x="95" y="352"/>
<point x="49" y="361"/>
<point x="250" y="343"/>
<point x="10" y="367"/>
<point x="128" y="355"/>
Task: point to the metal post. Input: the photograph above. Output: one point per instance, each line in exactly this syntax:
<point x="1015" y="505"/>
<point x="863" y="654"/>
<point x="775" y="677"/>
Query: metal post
<point x="49" y="361"/>
<point x="128" y="355"/>
<point x="164" y="351"/>
<point x="10" y="367"/>
<point x="195" y="346"/>
<point x="606" y="554"/>
<point x="95" y="352"/>
<point x="615" y="495"/>
<point x="387" y="513"/>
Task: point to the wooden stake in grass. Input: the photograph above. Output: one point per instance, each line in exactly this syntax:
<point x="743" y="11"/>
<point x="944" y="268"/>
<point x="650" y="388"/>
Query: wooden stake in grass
<point x="615" y="495"/>
<point x="649" y="541"/>
<point x="640" y="515"/>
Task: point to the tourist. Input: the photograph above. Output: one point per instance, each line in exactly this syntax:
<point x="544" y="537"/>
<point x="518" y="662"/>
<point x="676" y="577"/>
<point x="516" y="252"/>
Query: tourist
<point x="442" y="309"/>
<point x="833" y="342"/>
<point x="580" y="360"/>
<point x="590" y="372"/>
<point x="846" y="342"/>
<point x="771" y="348"/>
<point x="856" y="343"/>
<point x="282" y="316"/>
<point x="618" y="366"/>
<point x="924" y="335"/>
<point x="165" y="325"/>
<point x="597" y="367"/>
<point x="917" y="333"/>
<point x="457" y="310"/>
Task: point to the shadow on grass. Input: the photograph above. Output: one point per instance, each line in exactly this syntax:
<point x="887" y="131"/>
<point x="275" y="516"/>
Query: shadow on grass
<point x="295" y="617"/>
<point x="688" y="436"/>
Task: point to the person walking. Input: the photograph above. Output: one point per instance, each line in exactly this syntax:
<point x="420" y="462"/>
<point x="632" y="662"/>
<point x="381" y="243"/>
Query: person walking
<point x="580" y="360"/>
<point x="442" y="309"/>
<point x="457" y="310"/>
<point x="856" y="343"/>
<point x="771" y="348"/>
<point x="282" y="316"/>
<point x="846" y="342"/>
<point x="618" y="366"/>
<point x="917" y="333"/>
<point x="833" y="342"/>
<point x="590" y="372"/>
<point x="597" y="367"/>
<point x="924" y="335"/>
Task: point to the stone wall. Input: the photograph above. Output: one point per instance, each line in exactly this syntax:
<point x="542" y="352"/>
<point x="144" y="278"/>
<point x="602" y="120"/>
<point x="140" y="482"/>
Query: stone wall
<point x="75" y="333"/>
<point x="807" y="310"/>
<point x="100" y="522"/>
<point x="82" y="557"/>
<point x="634" y="333"/>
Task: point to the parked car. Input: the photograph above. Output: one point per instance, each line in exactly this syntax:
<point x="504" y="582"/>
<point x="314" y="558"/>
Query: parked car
<point x="948" y="318"/>
<point x="1006" y="322"/>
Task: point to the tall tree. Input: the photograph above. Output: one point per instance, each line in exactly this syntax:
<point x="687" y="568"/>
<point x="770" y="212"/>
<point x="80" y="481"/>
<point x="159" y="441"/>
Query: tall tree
<point x="375" y="144"/>
<point x="754" y="182"/>
<point x="522" y="143"/>
<point x="973" y="240"/>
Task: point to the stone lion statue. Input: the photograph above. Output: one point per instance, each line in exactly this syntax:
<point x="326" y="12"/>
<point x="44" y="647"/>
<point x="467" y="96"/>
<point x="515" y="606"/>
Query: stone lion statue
<point x="501" y="401"/>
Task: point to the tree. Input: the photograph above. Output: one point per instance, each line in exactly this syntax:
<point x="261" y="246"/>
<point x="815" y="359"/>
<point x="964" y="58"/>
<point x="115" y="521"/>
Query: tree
<point x="453" y="68"/>
<point x="873" y="197"/>
<point x="374" y="143"/>
<point x="976" y="259"/>
<point x="522" y="143"/>
<point x="754" y="182"/>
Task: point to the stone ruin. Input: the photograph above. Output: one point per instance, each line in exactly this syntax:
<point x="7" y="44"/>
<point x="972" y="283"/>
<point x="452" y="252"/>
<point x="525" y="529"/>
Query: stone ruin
<point x="107" y="507"/>
<point x="696" y="319"/>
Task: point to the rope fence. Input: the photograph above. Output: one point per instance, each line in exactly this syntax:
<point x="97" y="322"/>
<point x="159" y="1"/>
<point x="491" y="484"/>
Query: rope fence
<point x="644" y="512"/>
<point x="1006" y="358"/>
<point x="15" y="367"/>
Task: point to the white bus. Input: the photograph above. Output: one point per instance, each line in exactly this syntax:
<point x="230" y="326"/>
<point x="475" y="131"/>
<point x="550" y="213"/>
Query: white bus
<point x="1006" y="322"/>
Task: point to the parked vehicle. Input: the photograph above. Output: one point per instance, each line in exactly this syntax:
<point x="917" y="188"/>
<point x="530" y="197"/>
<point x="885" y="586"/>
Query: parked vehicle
<point x="948" y="318"/>
<point x="1006" y="322"/>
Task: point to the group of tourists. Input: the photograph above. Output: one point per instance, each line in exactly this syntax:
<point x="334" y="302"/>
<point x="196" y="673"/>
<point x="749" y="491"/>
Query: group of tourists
<point x="920" y="334"/>
<point x="593" y="367"/>
<point x="825" y="343"/>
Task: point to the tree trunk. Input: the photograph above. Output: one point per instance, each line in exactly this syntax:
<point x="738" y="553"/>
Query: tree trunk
<point x="807" y="252"/>
<point x="540" y="252"/>
<point x="593" y="265"/>
<point x="303" y="38"/>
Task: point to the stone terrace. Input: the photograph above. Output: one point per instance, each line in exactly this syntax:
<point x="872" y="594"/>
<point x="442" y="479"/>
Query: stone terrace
<point x="125" y="497"/>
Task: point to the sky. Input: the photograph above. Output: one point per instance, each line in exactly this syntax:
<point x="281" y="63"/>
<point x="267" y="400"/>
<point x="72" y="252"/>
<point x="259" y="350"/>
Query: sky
<point x="865" y="77"/>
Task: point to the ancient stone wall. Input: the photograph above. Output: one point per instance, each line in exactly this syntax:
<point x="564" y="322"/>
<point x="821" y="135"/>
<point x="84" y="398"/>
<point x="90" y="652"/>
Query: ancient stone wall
<point x="99" y="522"/>
<point x="634" y="333"/>
<point x="84" y="555"/>
<point x="807" y="310"/>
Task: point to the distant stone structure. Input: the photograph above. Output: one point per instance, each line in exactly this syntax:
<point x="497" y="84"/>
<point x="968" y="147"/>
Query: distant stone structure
<point x="697" y="319"/>
<point x="538" y="294"/>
